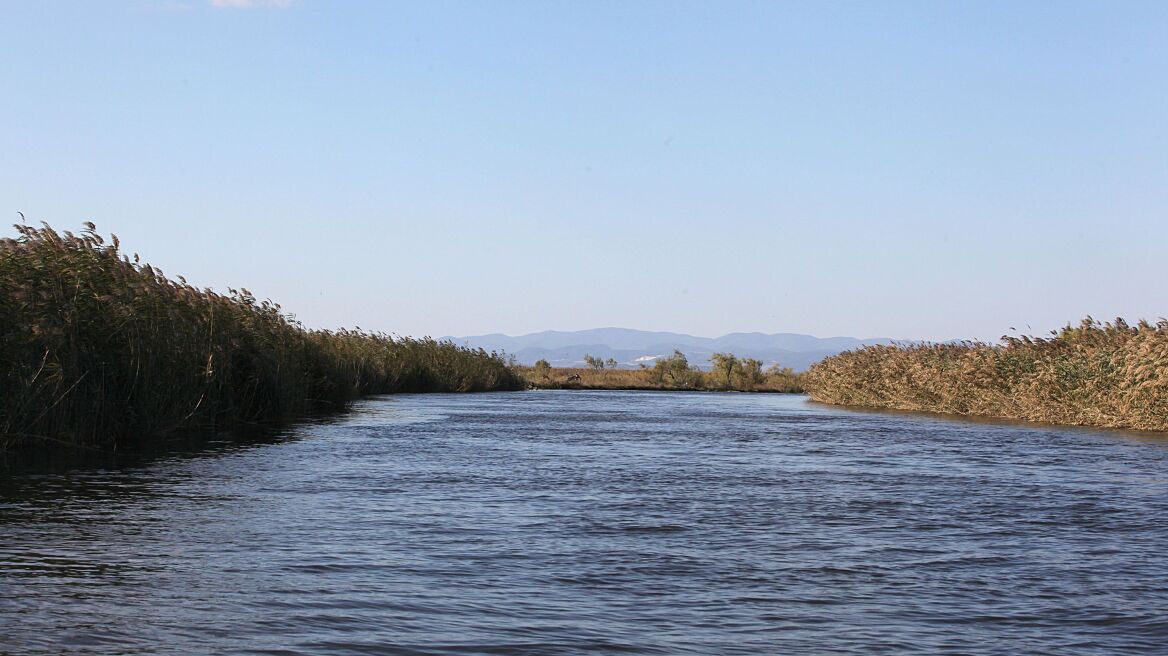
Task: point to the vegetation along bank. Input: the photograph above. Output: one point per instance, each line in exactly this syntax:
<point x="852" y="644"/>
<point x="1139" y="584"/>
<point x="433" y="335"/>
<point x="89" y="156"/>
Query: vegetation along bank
<point x="1111" y="375"/>
<point x="728" y="373"/>
<point x="99" y="349"/>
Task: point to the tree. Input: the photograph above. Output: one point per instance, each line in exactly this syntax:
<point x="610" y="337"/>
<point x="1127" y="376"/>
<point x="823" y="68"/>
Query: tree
<point x="610" y="363"/>
<point x="595" y="363"/>
<point x="783" y="378"/>
<point x="777" y="369"/>
<point x="750" y="373"/>
<point x="542" y="368"/>
<point x="674" y="369"/>
<point x="724" y="364"/>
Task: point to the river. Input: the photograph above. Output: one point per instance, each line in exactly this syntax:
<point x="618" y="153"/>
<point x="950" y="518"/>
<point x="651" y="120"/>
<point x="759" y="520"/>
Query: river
<point x="556" y="522"/>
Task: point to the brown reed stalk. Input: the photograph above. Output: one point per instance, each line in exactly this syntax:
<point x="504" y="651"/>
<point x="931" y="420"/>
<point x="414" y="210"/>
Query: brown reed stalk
<point x="1111" y="375"/>
<point x="97" y="348"/>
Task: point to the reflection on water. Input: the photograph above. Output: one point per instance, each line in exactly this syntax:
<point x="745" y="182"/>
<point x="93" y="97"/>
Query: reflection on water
<point x="573" y="522"/>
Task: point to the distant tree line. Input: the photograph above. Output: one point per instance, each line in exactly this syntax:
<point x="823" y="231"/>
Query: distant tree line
<point x="597" y="363"/>
<point x="727" y="372"/>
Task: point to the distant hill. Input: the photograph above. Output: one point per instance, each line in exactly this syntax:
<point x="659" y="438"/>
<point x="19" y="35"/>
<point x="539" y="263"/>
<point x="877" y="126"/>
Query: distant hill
<point x="632" y="347"/>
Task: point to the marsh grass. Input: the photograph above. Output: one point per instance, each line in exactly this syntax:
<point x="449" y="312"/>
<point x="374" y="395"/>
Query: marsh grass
<point x="1111" y="375"/>
<point x="97" y="348"/>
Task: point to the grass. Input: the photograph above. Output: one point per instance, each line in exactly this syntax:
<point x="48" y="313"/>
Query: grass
<point x="1112" y="375"/>
<point x="100" y="349"/>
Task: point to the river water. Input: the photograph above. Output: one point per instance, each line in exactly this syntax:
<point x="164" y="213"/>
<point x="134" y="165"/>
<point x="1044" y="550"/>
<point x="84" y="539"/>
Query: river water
<point x="609" y="522"/>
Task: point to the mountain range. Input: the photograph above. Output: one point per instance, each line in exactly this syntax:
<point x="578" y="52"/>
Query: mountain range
<point x="631" y="348"/>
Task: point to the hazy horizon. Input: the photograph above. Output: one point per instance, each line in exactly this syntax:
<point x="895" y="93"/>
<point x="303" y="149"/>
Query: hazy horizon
<point x="905" y="170"/>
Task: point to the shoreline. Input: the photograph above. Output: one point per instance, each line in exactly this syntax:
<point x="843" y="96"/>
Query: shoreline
<point x="656" y="380"/>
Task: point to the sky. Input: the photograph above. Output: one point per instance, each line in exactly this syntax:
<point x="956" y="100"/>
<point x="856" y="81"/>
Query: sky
<point x="916" y="170"/>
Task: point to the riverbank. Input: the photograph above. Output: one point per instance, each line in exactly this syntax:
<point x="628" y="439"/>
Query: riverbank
<point x="100" y="349"/>
<point x="1109" y="375"/>
<point x="649" y="380"/>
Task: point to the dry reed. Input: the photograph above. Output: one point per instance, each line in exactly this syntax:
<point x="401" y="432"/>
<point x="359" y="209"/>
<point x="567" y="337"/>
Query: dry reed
<point x="1095" y="374"/>
<point x="100" y="349"/>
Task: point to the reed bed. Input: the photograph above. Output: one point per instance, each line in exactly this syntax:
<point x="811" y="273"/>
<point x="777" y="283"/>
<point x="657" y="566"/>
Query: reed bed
<point x="1112" y="375"/>
<point x="97" y="348"/>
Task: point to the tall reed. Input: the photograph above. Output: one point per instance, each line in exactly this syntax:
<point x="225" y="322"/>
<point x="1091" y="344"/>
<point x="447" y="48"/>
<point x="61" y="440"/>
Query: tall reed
<point x="97" y="348"/>
<point x="1096" y="374"/>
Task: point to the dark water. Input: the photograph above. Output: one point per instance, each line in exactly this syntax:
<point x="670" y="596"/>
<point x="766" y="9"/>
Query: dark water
<point x="575" y="522"/>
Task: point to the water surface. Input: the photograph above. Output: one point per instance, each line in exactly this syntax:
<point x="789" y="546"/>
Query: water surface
<point x="600" y="522"/>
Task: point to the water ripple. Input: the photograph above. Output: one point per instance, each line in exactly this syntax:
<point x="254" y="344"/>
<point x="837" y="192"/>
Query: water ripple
<point x="597" y="523"/>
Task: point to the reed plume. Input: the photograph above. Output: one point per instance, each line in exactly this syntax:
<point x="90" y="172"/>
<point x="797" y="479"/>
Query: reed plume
<point x="98" y="348"/>
<point x="1111" y="375"/>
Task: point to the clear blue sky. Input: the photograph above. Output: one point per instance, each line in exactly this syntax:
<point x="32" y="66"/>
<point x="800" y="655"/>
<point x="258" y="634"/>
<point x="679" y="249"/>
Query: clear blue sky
<point x="904" y="169"/>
